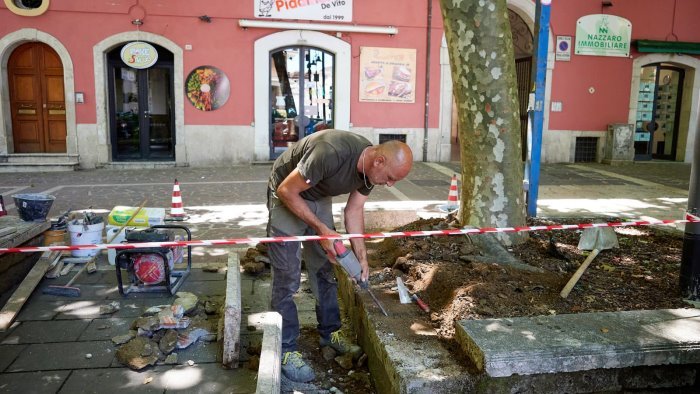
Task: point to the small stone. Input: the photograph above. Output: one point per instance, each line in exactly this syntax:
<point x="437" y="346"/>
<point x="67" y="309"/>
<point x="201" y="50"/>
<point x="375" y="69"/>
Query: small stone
<point x="171" y="359"/>
<point x="210" y="308"/>
<point x="112" y="307"/>
<point x="103" y="327"/>
<point x="88" y="356"/>
<point x="345" y="361"/>
<point x="148" y="380"/>
<point x="361" y="360"/>
<point x="122" y="339"/>
<point x="328" y="353"/>
<point x="187" y="300"/>
<point x="154" y="310"/>
<point x="190" y="363"/>
<point x="168" y="342"/>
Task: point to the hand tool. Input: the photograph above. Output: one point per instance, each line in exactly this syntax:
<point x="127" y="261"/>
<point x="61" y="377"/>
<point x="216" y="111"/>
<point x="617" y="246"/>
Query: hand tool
<point x="351" y="265"/>
<point x="420" y="303"/>
<point x="66" y="290"/>
<point x="596" y="238"/>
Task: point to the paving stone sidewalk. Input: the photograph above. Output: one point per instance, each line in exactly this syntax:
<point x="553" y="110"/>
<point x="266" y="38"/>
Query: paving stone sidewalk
<point x="46" y="351"/>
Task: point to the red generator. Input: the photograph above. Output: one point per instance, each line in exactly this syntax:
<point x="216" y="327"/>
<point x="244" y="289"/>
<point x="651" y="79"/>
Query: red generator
<point x="154" y="269"/>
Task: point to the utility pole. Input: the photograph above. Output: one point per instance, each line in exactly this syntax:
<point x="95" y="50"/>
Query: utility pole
<point x="542" y="12"/>
<point x="690" y="260"/>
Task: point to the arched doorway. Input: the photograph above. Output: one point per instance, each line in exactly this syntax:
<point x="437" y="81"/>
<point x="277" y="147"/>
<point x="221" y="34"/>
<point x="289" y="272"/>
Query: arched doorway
<point x="265" y="100"/>
<point x="658" y="112"/>
<point x="141" y="108"/>
<point x="664" y="88"/>
<point x="37" y="99"/>
<point x="301" y="94"/>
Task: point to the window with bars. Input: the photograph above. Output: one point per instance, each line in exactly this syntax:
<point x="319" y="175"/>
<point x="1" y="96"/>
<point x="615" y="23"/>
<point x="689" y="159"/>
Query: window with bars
<point x="388" y="137"/>
<point x="586" y="149"/>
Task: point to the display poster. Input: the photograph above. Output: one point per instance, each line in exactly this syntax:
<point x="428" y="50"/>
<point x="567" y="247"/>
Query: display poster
<point x="387" y="75"/>
<point x="315" y="10"/>
<point x="563" y="52"/>
<point x="603" y="35"/>
<point x="139" y="54"/>
<point x="207" y="88"/>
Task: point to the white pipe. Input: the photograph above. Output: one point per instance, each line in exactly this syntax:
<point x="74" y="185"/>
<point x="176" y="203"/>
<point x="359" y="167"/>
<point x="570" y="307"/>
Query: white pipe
<point x="245" y="23"/>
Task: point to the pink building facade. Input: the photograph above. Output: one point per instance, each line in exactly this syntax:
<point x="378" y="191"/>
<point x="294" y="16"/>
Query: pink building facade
<point x="238" y="82"/>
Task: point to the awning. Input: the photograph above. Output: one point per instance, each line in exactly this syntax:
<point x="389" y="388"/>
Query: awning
<point x="651" y="46"/>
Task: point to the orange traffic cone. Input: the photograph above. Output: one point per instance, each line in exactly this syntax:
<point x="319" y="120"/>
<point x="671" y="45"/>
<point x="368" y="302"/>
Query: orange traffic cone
<point x="176" y="210"/>
<point x="452" y="197"/>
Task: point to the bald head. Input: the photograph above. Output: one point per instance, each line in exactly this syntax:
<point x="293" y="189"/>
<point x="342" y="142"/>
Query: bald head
<point x="388" y="163"/>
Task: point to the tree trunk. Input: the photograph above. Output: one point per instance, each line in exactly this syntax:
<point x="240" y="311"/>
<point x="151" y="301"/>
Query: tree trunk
<point x="485" y="87"/>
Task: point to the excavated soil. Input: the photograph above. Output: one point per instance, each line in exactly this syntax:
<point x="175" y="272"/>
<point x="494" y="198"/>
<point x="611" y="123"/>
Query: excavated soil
<point x="459" y="281"/>
<point x="449" y="274"/>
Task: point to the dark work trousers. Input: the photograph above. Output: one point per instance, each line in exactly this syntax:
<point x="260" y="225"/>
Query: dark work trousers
<point x="285" y="258"/>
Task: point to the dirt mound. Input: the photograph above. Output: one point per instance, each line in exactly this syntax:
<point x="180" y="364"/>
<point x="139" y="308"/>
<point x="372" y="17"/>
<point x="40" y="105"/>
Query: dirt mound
<point x="450" y="274"/>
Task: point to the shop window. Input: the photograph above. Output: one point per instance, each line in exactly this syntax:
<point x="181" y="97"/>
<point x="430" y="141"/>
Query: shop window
<point x="27" y="7"/>
<point x="388" y="137"/>
<point x="586" y="148"/>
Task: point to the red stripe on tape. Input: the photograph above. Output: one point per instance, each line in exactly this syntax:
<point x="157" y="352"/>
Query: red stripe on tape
<point x="300" y="238"/>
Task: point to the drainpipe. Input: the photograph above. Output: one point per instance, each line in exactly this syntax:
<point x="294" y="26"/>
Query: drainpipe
<point x="690" y="260"/>
<point x="427" y="79"/>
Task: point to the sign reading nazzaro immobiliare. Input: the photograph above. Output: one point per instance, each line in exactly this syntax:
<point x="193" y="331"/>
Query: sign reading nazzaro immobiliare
<point x="603" y="35"/>
<point x="316" y="10"/>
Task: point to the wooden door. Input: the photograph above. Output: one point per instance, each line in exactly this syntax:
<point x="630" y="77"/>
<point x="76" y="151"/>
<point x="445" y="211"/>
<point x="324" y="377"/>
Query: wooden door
<point x="37" y="100"/>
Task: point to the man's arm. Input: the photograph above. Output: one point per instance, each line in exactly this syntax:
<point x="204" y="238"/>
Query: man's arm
<point x="355" y="224"/>
<point x="289" y="193"/>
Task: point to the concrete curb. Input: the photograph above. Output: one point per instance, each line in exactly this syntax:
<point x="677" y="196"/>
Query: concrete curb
<point x="417" y="364"/>
<point x="230" y="325"/>
<point x="270" y="369"/>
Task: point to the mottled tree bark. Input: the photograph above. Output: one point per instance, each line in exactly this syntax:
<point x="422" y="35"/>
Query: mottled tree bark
<point x="485" y="88"/>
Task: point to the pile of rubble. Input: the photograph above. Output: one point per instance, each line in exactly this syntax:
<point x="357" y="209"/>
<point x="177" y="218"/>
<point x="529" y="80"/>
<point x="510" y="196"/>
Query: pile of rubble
<point x="160" y="330"/>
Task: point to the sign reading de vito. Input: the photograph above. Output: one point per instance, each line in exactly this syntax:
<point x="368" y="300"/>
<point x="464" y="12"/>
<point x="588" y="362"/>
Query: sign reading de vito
<point x="139" y="54"/>
<point x="315" y="10"/>
<point x="603" y="35"/>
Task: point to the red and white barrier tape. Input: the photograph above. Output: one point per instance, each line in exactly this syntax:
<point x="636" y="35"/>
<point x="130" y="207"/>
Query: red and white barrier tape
<point x="300" y="238"/>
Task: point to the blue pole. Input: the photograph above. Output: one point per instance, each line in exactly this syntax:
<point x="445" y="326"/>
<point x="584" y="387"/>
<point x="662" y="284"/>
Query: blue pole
<point x="541" y="44"/>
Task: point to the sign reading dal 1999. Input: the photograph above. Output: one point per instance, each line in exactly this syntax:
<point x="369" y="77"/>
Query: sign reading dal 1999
<point x="317" y="10"/>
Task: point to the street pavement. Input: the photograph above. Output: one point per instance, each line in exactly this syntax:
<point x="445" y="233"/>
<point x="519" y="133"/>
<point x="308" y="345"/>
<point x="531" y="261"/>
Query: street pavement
<point x="45" y="350"/>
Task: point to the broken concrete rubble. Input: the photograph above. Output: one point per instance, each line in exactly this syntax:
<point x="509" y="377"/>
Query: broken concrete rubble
<point x="110" y="308"/>
<point x="162" y="329"/>
<point x="138" y="353"/>
<point x="187" y="300"/>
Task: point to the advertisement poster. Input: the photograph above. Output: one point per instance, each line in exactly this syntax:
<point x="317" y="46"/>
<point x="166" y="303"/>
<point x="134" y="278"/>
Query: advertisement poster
<point x="387" y="75"/>
<point x="603" y="35"/>
<point x="315" y="10"/>
<point x="207" y="88"/>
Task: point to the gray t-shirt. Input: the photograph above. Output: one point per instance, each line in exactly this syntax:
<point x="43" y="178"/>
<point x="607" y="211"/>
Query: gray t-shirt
<point x="328" y="162"/>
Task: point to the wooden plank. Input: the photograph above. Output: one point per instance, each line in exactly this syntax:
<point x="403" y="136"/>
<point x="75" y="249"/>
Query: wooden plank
<point x="21" y="295"/>
<point x="25" y="231"/>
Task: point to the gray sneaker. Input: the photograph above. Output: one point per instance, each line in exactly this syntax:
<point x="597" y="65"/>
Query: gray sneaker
<point x="340" y="344"/>
<point x="295" y="368"/>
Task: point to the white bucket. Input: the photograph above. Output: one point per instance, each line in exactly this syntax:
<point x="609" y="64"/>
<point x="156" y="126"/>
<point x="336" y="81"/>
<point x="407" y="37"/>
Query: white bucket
<point x="80" y="235"/>
<point x="109" y="233"/>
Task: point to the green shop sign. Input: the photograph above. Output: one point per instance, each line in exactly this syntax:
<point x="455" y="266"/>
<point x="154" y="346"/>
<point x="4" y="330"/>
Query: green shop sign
<point x="603" y="35"/>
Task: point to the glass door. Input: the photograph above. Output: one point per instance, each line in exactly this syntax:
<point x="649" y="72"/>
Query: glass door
<point x="141" y="111"/>
<point x="658" y="112"/>
<point x="301" y="95"/>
